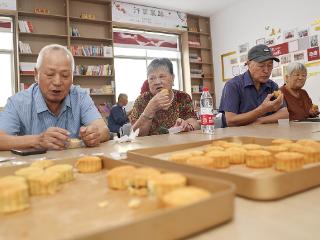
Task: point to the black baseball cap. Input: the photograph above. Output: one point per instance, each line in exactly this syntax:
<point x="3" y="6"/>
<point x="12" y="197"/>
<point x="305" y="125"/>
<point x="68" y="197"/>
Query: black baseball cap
<point x="261" y="53"/>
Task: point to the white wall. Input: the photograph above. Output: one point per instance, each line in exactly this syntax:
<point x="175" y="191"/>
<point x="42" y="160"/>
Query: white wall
<point x="245" y="21"/>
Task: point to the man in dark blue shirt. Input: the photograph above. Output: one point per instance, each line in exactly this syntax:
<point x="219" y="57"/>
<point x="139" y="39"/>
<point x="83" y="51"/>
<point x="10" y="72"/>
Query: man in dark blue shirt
<point x="118" y="116"/>
<point x="250" y="98"/>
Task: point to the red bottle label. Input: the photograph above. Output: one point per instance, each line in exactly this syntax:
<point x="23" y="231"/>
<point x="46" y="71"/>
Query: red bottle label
<point x="207" y="119"/>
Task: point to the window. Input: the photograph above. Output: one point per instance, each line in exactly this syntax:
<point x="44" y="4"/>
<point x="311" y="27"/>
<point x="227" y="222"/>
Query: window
<point x="6" y="59"/>
<point x="131" y="62"/>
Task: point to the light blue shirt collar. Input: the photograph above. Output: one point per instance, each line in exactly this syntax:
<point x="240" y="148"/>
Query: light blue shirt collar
<point x="41" y="105"/>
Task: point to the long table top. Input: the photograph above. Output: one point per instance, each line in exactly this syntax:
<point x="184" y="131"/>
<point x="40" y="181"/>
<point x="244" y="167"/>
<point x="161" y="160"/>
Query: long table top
<point x="294" y="217"/>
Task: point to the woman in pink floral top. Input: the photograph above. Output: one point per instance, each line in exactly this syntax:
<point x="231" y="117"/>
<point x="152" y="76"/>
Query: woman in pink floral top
<point x="156" y="110"/>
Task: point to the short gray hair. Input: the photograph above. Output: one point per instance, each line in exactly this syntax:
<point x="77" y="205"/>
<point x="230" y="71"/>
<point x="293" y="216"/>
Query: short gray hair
<point x="122" y="95"/>
<point x="54" y="47"/>
<point x="295" y="67"/>
<point x="159" y="63"/>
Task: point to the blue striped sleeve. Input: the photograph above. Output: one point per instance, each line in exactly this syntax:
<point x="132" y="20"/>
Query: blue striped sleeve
<point x="89" y="111"/>
<point x="230" y="99"/>
<point x="9" y="119"/>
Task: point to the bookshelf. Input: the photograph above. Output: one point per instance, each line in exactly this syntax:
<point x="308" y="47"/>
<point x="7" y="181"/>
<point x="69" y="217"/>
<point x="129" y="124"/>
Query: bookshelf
<point x="53" y="21"/>
<point x="200" y="57"/>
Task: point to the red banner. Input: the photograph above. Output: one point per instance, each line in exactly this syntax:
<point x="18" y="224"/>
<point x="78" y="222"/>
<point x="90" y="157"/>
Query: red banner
<point x="5" y="26"/>
<point x="144" y="40"/>
<point x="280" y="49"/>
<point x="313" y="54"/>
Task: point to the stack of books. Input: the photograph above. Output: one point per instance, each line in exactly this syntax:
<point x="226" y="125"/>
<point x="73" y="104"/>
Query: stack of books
<point x="106" y="89"/>
<point x="90" y="50"/>
<point x="25" y="26"/>
<point x="193" y="57"/>
<point x="194" y="41"/>
<point x="24" y="47"/>
<point x="27" y="67"/>
<point x="196" y="73"/>
<point x="75" y="32"/>
<point x="93" y="70"/>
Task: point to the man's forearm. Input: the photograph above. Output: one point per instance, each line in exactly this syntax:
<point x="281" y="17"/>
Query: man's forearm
<point x="273" y="118"/>
<point x="243" y="118"/>
<point x="8" y="142"/>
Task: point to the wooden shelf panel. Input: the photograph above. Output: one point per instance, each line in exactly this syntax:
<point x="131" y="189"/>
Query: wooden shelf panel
<point x="103" y="2"/>
<point x="92" y="57"/>
<point x="29" y="54"/>
<point x="75" y="56"/>
<point x="96" y="21"/>
<point x="200" y="48"/>
<point x="44" y="35"/>
<point x="91" y="39"/>
<point x="199" y="33"/>
<point x="201" y="77"/>
<point x="32" y="14"/>
<point x="201" y="63"/>
<point x="26" y="75"/>
<point x="92" y="76"/>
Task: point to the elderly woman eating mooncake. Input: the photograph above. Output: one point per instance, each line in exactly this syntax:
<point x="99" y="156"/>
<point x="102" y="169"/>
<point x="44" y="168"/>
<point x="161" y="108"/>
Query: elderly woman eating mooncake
<point x="162" y="107"/>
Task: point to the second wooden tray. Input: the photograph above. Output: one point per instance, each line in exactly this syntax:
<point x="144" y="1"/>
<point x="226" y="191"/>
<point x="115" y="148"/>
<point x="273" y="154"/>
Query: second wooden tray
<point x="258" y="184"/>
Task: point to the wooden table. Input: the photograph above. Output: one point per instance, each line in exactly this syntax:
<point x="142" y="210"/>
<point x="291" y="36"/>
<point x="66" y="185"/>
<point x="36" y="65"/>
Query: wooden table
<point x="295" y="217"/>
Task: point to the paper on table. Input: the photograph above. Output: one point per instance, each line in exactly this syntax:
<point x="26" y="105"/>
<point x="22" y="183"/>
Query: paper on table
<point x="174" y="130"/>
<point x="130" y="138"/>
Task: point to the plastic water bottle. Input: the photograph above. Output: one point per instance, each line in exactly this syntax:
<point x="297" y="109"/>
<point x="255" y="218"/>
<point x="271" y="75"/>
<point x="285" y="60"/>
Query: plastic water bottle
<point x="206" y="112"/>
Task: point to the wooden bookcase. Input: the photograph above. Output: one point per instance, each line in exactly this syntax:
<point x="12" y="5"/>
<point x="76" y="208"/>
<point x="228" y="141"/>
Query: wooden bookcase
<point x="55" y="26"/>
<point x="200" y="57"/>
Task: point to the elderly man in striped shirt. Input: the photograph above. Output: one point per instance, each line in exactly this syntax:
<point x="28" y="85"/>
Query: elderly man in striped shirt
<point x="52" y="110"/>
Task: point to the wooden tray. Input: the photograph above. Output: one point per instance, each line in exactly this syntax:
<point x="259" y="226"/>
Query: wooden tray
<point x="73" y="213"/>
<point x="258" y="184"/>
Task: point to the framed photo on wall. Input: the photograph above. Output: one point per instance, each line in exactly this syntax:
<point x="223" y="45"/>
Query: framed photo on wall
<point x="226" y="65"/>
<point x="260" y="41"/>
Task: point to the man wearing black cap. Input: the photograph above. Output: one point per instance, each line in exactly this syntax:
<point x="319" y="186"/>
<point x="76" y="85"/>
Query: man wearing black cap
<point x="249" y="98"/>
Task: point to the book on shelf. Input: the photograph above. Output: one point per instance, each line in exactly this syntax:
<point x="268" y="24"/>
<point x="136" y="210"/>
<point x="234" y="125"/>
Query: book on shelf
<point x="196" y="71"/>
<point x="195" y="88"/>
<point x="25" y="26"/>
<point x="75" y="32"/>
<point x="105" y="89"/>
<point x="194" y="57"/>
<point x="107" y="51"/>
<point x="92" y="51"/>
<point x="93" y="70"/>
<point x="27" y="67"/>
<point x="24" y="47"/>
<point x="194" y="44"/>
<point x="194" y="41"/>
<point x="196" y="75"/>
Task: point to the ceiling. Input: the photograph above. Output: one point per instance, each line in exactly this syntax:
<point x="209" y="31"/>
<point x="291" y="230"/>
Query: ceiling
<point x="197" y="7"/>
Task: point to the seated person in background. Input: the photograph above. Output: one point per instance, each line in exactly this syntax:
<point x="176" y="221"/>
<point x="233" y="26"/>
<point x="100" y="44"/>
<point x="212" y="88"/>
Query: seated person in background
<point x="162" y="107"/>
<point x="298" y="101"/>
<point x="118" y="116"/>
<point x="52" y="110"/>
<point x="249" y="98"/>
